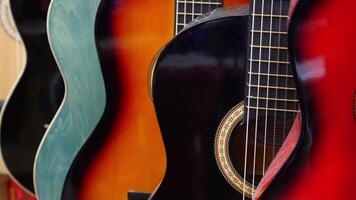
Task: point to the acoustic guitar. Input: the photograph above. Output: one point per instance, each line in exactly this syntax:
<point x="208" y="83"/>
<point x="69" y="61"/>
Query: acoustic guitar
<point x="322" y="43"/>
<point x="70" y="26"/>
<point x="36" y="96"/>
<point x="126" y="153"/>
<point x="225" y="100"/>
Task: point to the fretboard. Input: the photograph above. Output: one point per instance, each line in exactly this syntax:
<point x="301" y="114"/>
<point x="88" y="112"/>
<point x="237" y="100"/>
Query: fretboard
<point x="270" y="83"/>
<point x="187" y="10"/>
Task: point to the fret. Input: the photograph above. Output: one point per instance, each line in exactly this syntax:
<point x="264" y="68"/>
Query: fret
<point x="270" y="15"/>
<point x="190" y="13"/>
<point x="274" y="109"/>
<point x="263" y="39"/>
<point x="270" y="54"/>
<point x="269" y="47"/>
<point x="271" y="87"/>
<point x="270" y="92"/>
<point x="273" y="75"/>
<point x="272" y="84"/>
<point x="268" y="68"/>
<point x="270" y="32"/>
<point x="270" y="61"/>
<point x="201" y="2"/>
<point x="263" y="103"/>
<point x="274" y="99"/>
<point x="181" y="24"/>
<point x="270" y="23"/>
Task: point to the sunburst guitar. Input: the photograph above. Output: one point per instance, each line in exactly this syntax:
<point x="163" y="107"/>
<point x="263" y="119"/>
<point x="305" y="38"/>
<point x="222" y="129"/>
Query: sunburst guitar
<point x="226" y="100"/>
<point x="36" y="96"/>
<point x="126" y="153"/>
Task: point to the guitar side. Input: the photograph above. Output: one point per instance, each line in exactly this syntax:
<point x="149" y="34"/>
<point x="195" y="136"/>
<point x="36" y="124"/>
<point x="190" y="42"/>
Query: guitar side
<point x="70" y="26"/>
<point x="322" y="46"/>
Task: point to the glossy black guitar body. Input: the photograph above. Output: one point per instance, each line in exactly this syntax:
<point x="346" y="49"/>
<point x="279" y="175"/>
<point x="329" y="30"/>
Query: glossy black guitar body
<point x="198" y="78"/>
<point x="36" y="97"/>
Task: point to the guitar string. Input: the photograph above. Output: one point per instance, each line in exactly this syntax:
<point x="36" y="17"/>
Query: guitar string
<point x="296" y="105"/>
<point x="177" y="16"/>
<point x="185" y="13"/>
<point x="285" y="103"/>
<point x="258" y="94"/>
<point x="268" y="84"/>
<point x="248" y="102"/>
<point x="278" y="71"/>
<point x="201" y="7"/>
<point x="193" y="9"/>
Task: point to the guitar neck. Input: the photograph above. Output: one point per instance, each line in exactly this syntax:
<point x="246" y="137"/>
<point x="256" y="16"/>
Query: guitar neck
<point x="270" y="83"/>
<point x="187" y="10"/>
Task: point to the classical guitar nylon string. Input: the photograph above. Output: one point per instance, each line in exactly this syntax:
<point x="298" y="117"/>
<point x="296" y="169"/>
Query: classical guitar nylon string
<point x="248" y="105"/>
<point x="258" y="94"/>
<point x="277" y="82"/>
<point x="268" y="84"/>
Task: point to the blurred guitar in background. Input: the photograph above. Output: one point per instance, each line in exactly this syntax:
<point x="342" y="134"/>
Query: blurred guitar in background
<point x="12" y="56"/>
<point x="12" y="60"/>
<point x="322" y="43"/>
<point x="36" y="96"/>
<point x="15" y="192"/>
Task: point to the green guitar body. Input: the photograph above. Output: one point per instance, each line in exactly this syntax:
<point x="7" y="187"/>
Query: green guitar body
<point x="70" y="26"/>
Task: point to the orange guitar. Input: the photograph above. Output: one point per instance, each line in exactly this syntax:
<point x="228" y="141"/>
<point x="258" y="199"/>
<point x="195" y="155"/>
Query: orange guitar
<point x="126" y="151"/>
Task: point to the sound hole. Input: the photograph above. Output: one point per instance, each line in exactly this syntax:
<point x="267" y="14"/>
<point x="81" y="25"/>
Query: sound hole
<point x="262" y="149"/>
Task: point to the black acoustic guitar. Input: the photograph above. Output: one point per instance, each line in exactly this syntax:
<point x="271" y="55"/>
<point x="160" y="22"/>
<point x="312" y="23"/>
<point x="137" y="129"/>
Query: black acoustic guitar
<point x="36" y="97"/>
<point x="225" y="99"/>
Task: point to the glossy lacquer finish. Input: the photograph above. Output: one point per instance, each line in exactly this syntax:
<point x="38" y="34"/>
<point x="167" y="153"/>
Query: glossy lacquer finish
<point x="126" y="151"/>
<point x="36" y="96"/>
<point x="199" y="77"/>
<point x="322" y="38"/>
<point x="71" y="35"/>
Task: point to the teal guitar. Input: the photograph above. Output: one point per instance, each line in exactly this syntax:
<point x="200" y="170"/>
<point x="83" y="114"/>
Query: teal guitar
<point x="70" y="26"/>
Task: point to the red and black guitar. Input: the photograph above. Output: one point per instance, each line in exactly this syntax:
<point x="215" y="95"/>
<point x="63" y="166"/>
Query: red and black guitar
<point x="322" y="43"/>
